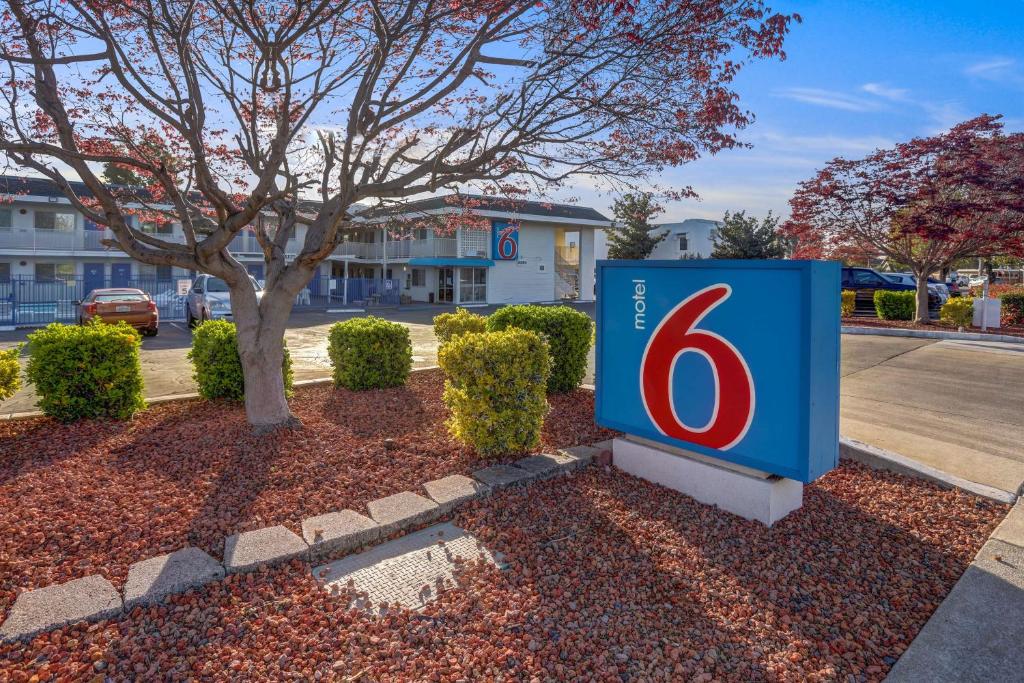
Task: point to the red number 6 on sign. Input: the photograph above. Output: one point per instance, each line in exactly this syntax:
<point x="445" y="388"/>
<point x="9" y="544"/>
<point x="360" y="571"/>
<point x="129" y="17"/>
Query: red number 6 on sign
<point x="734" y="387"/>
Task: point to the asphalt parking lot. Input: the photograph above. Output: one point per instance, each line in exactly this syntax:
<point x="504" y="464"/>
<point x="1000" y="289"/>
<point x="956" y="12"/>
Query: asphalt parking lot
<point x="958" y="406"/>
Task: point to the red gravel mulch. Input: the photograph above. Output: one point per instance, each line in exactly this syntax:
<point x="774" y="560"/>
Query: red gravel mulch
<point x="610" y="578"/>
<point x="934" y="326"/>
<point x="96" y="496"/>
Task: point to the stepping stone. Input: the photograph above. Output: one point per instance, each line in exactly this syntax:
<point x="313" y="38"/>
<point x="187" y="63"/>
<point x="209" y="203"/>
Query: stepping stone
<point x="407" y="572"/>
<point x="546" y="465"/>
<point x="338" y="532"/>
<point x="583" y="454"/>
<point x="154" y="579"/>
<point x="251" y="550"/>
<point x="500" y="476"/>
<point x="402" y="511"/>
<point x="89" y="598"/>
<point x="449" y="492"/>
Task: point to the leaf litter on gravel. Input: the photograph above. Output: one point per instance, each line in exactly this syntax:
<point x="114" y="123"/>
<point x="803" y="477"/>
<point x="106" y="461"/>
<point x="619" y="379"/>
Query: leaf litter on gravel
<point x="95" y="496"/>
<point x="608" y="578"/>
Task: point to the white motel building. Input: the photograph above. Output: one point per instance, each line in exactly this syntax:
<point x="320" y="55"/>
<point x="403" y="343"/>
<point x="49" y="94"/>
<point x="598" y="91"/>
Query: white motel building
<point x="50" y="255"/>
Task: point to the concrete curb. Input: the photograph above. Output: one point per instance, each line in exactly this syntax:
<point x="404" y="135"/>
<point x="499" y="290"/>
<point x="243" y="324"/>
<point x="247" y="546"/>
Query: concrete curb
<point x="879" y="458"/>
<point x="930" y="334"/>
<point x="43" y="609"/>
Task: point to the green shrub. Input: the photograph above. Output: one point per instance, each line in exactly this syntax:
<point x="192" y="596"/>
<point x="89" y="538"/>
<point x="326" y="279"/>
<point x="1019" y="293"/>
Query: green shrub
<point x="1012" y="308"/>
<point x="495" y="389"/>
<point x="369" y="353"/>
<point x="10" y="372"/>
<point x="216" y="366"/>
<point x="958" y="311"/>
<point x="447" y="325"/>
<point x="567" y="332"/>
<point x="895" y="305"/>
<point x="848" y="303"/>
<point x="86" y="371"/>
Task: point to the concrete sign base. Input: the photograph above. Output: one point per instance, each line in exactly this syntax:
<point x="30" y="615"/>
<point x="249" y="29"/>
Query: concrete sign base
<point x="743" y="491"/>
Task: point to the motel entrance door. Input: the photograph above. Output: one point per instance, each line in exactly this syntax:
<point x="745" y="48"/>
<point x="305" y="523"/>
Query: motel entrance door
<point x="445" y="285"/>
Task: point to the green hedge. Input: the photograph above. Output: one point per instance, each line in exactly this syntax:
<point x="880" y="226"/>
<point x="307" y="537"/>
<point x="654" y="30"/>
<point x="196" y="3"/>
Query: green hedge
<point x="567" y="332"/>
<point x="895" y="305"/>
<point x="369" y="353"/>
<point x="10" y="372"/>
<point x="848" y="303"/>
<point x="86" y="371"/>
<point x="447" y="325"/>
<point x="1012" y="308"/>
<point x="495" y="389"/>
<point x="216" y="365"/>
<point x="957" y="311"/>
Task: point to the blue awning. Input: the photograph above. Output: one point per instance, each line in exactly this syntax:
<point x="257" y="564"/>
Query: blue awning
<point x="452" y="261"/>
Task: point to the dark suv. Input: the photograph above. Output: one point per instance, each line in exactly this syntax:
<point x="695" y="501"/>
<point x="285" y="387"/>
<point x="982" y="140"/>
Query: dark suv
<point x="865" y="281"/>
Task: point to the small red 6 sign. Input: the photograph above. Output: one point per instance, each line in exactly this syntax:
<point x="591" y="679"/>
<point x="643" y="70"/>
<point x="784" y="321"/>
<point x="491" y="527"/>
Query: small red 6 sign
<point x="734" y="386"/>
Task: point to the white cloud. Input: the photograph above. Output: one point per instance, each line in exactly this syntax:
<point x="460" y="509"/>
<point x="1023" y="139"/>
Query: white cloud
<point x="884" y="91"/>
<point x="1001" y="70"/>
<point x="829" y="98"/>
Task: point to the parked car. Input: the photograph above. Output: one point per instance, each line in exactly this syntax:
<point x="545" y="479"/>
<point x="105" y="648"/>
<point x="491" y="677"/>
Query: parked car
<point x="934" y="286"/>
<point x="210" y="299"/>
<point x="133" y="306"/>
<point x="866" y="281"/>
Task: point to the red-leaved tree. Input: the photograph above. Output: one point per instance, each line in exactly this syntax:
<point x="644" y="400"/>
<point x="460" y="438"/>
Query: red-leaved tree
<point x="240" y="109"/>
<point x="925" y="203"/>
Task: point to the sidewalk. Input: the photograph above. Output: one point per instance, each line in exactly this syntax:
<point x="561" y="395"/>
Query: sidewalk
<point x="977" y="633"/>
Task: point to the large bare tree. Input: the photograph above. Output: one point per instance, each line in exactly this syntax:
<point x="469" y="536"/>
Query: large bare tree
<point x="237" y="109"/>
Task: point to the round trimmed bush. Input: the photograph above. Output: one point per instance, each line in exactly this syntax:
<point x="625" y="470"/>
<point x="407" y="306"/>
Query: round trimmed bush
<point x="86" y="371"/>
<point x="216" y="365"/>
<point x="892" y="305"/>
<point x="447" y="325"/>
<point x="369" y="353"/>
<point x="958" y="311"/>
<point x="495" y="389"/>
<point x="1012" y="308"/>
<point x="848" y="303"/>
<point x="10" y="372"/>
<point x="567" y="331"/>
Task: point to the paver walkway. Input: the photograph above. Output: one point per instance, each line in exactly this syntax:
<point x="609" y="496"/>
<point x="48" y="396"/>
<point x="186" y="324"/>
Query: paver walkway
<point x="409" y="571"/>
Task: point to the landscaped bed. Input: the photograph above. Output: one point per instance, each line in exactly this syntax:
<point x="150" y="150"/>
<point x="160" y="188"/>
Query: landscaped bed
<point x="95" y="496"/>
<point x="609" y="577"/>
<point x="933" y="326"/>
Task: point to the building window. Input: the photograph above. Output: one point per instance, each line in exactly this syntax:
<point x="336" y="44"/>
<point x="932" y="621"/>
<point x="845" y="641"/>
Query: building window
<point x="157" y="227"/>
<point x="684" y="242"/>
<point x="51" y="272"/>
<point x="55" y="220"/>
<point x="159" y="273"/>
<point x="6" y="219"/>
<point x="419" y="277"/>
<point x="473" y="285"/>
<point x="5" y="272"/>
<point x="420" y="233"/>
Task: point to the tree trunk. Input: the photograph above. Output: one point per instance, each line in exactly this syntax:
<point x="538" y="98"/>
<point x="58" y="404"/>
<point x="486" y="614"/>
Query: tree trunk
<point x="921" y="312"/>
<point x="260" y="330"/>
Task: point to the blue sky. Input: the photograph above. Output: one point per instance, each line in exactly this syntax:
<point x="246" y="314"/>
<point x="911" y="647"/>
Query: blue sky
<point x="859" y="75"/>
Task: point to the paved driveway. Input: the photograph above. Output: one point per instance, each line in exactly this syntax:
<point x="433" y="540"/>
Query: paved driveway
<point x="958" y="406"/>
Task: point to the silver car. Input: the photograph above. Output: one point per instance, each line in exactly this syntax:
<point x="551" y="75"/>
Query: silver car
<point x="210" y="299"/>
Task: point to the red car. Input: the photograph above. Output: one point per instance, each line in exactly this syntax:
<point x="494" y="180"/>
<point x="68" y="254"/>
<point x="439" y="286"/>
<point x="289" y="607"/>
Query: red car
<point x="133" y="306"/>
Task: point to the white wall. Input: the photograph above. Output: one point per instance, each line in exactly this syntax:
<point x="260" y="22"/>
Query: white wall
<point x="587" y="264"/>
<point x="698" y="233"/>
<point x="532" y="276"/>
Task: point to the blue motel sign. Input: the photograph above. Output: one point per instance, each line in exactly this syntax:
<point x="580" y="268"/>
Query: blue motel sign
<point x="737" y="360"/>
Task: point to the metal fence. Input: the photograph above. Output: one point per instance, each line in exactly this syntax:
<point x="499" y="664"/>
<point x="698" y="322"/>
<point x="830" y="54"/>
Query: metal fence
<point x="26" y="301"/>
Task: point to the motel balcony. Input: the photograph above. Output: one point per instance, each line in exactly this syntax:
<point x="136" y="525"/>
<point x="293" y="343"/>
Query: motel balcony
<point x="32" y="239"/>
<point x="446" y="247"/>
